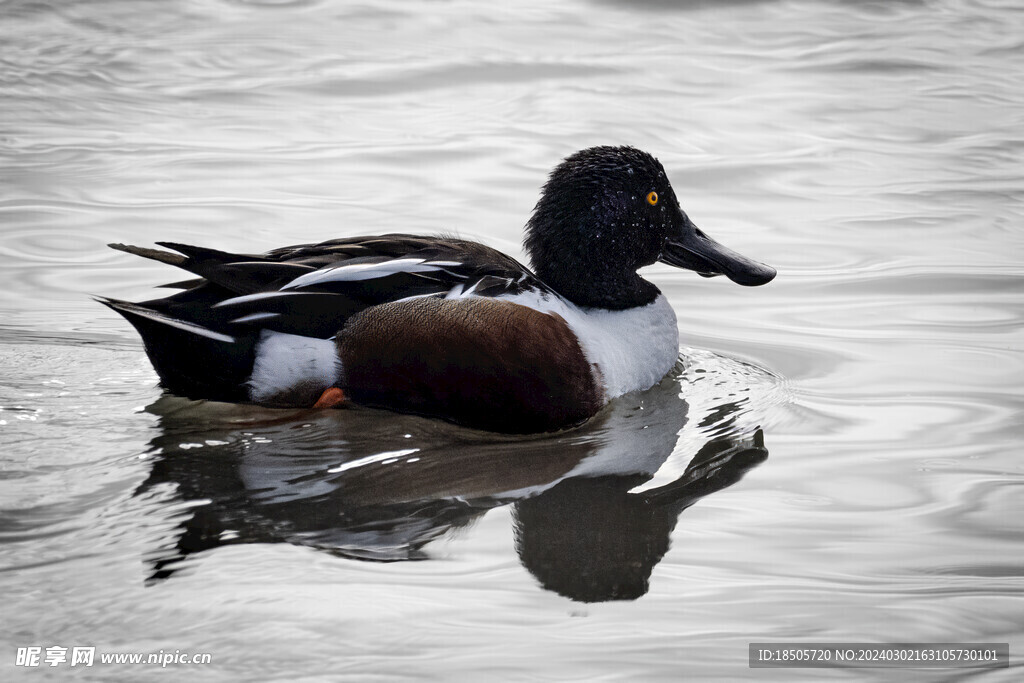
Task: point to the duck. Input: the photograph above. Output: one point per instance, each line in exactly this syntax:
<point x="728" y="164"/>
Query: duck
<point x="443" y="327"/>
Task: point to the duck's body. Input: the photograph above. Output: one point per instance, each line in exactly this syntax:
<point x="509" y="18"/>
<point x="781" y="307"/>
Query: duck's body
<point x="443" y="327"/>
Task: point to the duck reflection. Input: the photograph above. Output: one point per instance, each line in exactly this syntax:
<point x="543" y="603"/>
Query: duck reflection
<point x="375" y="486"/>
<point x="590" y="539"/>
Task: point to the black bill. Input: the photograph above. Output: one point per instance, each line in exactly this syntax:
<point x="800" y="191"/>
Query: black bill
<point x="698" y="252"/>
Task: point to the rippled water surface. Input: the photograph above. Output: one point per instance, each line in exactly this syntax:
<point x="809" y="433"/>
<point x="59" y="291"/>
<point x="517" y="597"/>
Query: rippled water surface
<point x="836" y="457"/>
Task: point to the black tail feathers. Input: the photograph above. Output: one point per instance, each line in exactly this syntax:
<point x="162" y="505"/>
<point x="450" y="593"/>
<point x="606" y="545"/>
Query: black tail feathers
<point x="191" y="360"/>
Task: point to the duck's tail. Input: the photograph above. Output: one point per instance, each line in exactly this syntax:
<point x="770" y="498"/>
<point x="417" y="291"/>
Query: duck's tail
<point x="192" y="360"/>
<point x="167" y="257"/>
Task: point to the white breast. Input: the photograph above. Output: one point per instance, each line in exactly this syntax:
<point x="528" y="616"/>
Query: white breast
<point x="633" y="349"/>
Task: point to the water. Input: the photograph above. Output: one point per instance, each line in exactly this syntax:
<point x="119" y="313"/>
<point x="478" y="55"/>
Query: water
<point x="870" y="151"/>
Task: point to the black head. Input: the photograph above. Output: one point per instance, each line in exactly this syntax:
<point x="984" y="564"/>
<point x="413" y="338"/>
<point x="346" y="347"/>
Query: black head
<point x="604" y="213"/>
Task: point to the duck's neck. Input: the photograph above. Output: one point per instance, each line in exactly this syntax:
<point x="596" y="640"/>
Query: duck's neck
<point x="583" y="258"/>
<point x="597" y="286"/>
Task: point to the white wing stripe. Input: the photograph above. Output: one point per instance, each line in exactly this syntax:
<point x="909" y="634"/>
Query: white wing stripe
<point x="253" y="317"/>
<point x="417" y="296"/>
<point x="246" y="298"/>
<point x="197" y="329"/>
<point x="367" y="271"/>
<point x="460" y="292"/>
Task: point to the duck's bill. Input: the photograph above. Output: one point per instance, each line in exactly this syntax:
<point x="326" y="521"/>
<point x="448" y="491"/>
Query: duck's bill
<point x="698" y="252"/>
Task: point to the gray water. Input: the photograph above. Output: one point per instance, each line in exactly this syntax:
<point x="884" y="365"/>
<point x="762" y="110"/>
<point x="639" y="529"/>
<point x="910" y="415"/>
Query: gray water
<point x="836" y="456"/>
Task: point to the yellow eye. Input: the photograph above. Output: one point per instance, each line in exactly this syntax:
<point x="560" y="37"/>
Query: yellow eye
<point x="652" y="198"/>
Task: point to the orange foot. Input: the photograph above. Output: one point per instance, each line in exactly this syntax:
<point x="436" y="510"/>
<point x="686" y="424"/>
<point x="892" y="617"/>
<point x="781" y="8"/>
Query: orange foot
<point x="331" y="397"/>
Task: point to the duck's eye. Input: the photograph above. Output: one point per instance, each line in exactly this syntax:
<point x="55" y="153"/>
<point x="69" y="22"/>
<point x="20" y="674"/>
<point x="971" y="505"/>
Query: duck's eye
<point x="652" y="198"/>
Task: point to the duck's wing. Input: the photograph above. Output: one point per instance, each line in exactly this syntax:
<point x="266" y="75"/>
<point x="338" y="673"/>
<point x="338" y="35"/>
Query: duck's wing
<point x="312" y="289"/>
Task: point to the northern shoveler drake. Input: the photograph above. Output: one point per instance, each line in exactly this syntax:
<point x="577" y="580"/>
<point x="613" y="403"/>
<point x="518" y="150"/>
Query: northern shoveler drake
<point x="445" y="327"/>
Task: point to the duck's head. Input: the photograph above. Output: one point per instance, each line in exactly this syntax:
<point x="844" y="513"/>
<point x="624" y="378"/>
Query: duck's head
<point x="606" y="212"/>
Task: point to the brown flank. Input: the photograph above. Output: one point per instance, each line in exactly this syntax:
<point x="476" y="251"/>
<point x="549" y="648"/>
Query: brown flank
<point x="480" y="362"/>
